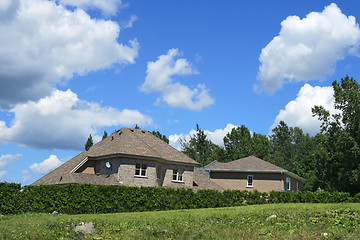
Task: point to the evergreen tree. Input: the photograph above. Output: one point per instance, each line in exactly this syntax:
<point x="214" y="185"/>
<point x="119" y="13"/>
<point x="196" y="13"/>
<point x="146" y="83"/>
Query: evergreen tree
<point x="89" y="143"/>
<point x="136" y="126"/>
<point x="201" y="149"/>
<point x="104" y="135"/>
<point x="159" y="135"/>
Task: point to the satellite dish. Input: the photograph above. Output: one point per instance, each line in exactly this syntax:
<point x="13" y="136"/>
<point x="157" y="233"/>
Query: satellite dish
<point x="108" y="164"/>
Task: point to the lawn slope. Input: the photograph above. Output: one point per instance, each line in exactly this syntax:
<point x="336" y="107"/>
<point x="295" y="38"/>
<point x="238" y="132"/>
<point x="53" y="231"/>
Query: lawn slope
<point x="271" y="221"/>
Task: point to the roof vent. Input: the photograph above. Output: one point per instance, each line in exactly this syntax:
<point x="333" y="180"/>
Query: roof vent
<point x="112" y="138"/>
<point x="143" y="131"/>
<point x="60" y="179"/>
<point x="132" y="130"/>
<point x="120" y="133"/>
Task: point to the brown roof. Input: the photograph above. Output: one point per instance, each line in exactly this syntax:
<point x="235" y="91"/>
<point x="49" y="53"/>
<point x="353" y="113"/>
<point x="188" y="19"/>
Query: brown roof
<point x="125" y="141"/>
<point x="250" y="164"/>
<point x="247" y="164"/>
<point x="203" y="182"/>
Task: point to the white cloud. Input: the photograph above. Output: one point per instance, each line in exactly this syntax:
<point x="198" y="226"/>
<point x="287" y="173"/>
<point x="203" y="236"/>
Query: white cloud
<point x="108" y="7"/>
<point x="216" y="136"/>
<point x="159" y="78"/>
<point x="131" y="21"/>
<point x="297" y="113"/>
<point x="62" y="121"/>
<point x="308" y="48"/>
<point x="43" y="44"/>
<point x="26" y="175"/>
<point x="8" y="158"/>
<point x="2" y="174"/>
<point x="47" y="165"/>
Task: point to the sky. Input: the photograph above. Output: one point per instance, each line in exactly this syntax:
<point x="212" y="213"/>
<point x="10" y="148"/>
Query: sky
<point x="73" y="68"/>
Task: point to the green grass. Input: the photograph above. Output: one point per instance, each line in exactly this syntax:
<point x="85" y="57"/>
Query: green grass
<point x="293" y="221"/>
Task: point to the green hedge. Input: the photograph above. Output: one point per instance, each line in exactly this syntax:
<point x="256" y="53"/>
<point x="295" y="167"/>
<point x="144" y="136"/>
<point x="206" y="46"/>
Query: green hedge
<point x="86" y="198"/>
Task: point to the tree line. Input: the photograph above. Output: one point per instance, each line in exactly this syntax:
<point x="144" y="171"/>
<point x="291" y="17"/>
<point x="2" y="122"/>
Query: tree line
<point x="330" y="160"/>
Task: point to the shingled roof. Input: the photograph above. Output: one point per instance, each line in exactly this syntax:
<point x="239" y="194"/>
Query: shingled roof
<point x="250" y="164"/>
<point x="124" y="142"/>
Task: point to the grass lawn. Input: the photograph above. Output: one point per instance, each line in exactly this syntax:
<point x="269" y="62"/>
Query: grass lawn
<point x="292" y="221"/>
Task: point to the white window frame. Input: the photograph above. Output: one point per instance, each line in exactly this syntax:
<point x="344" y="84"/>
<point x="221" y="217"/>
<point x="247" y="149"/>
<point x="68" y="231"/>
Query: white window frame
<point x="252" y="181"/>
<point x="178" y="175"/>
<point x="141" y="169"/>
<point x="287" y="184"/>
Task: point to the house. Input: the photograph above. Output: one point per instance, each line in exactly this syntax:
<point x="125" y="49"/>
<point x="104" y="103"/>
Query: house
<point x="131" y="157"/>
<point x="252" y="173"/>
<point x="135" y="157"/>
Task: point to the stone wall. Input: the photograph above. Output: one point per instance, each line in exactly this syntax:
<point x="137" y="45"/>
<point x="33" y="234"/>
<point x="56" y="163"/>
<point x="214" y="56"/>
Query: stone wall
<point x="157" y="173"/>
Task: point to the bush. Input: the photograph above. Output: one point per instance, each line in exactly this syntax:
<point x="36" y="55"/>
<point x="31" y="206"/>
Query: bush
<point x="86" y="198"/>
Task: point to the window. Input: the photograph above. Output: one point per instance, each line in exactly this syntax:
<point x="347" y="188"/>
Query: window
<point x="287" y="184"/>
<point x="250" y="179"/>
<point x="140" y="169"/>
<point x="297" y="187"/>
<point x="178" y="175"/>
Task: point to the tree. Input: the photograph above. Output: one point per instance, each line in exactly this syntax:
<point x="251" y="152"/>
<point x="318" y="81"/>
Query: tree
<point x="136" y="126"/>
<point x="89" y="143"/>
<point x="240" y="143"/>
<point x="104" y="135"/>
<point x="342" y="133"/>
<point x="159" y="135"/>
<point x="281" y="142"/>
<point x="199" y="148"/>
<point x="291" y="149"/>
<point x="237" y="143"/>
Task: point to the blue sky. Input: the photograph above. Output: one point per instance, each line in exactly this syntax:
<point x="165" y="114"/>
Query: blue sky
<point x="71" y="68"/>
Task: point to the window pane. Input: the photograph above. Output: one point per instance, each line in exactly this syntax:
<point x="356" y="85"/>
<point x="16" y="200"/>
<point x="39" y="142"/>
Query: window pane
<point x="174" y="175"/>
<point x="287" y="183"/>
<point x="137" y="166"/>
<point x="180" y="177"/>
<point x="143" y="172"/>
<point x="137" y="171"/>
<point x="250" y="180"/>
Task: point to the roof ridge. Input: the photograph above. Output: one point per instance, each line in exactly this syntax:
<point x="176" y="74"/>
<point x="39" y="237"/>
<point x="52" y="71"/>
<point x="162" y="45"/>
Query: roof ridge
<point x="152" y="149"/>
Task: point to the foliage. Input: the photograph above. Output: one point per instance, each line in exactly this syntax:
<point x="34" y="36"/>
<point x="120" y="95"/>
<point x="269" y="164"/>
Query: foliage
<point x="342" y="132"/>
<point x="159" y="135"/>
<point x="200" y="148"/>
<point x="86" y="198"/>
<point x="9" y="197"/>
<point x="239" y="143"/>
<point x="89" y="143"/>
<point x="104" y="135"/>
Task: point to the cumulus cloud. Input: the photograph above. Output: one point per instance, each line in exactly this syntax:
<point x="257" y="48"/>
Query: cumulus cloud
<point x="216" y="136"/>
<point x="159" y="78"/>
<point x="47" y="165"/>
<point x="297" y="113"/>
<point x="9" y="158"/>
<point x="2" y="174"/>
<point x="43" y="44"/>
<point x="63" y="121"/>
<point x="108" y="7"/>
<point x="308" y="48"/>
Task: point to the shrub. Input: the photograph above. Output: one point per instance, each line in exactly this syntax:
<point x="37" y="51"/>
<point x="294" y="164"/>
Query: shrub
<point x="86" y="198"/>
